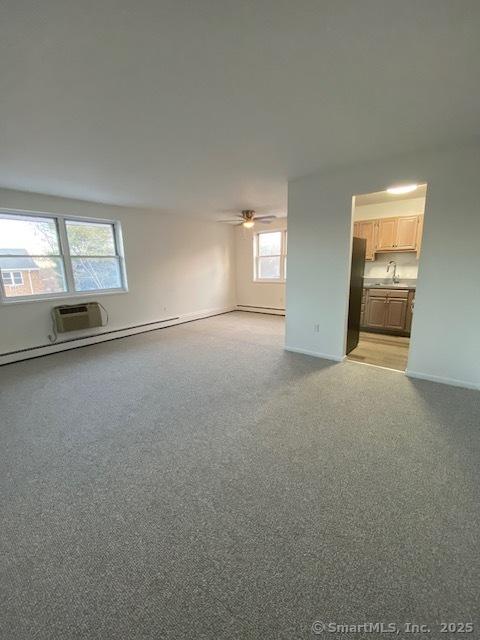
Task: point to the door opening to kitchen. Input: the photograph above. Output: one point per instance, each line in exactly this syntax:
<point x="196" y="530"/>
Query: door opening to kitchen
<point x="386" y="246"/>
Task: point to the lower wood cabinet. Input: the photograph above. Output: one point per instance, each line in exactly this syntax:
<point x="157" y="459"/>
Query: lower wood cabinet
<point x="387" y="309"/>
<point x="410" y="305"/>
<point x="396" y="314"/>
<point x="376" y="311"/>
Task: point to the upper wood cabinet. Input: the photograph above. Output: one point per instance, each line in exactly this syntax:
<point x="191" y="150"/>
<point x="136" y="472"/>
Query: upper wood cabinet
<point x="387" y="233"/>
<point x="406" y="235"/>
<point x="390" y="234"/>
<point x="419" y="234"/>
<point x="367" y="229"/>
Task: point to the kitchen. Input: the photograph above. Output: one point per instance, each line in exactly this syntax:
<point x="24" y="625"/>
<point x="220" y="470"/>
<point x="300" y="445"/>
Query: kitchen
<point x="387" y="238"/>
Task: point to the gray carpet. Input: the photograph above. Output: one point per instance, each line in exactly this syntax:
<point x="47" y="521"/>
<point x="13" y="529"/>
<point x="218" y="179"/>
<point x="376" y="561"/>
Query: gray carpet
<point x="200" y="482"/>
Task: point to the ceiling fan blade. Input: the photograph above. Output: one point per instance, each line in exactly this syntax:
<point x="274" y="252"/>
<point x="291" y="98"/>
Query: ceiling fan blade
<point x="237" y="221"/>
<point x="264" y="221"/>
<point x="265" y="217"/>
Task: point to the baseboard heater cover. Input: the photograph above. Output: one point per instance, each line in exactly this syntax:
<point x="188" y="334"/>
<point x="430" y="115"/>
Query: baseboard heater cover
<point x="139" y="328"/>
<point x="250" y="306"/>
<point x="91" y="335"/>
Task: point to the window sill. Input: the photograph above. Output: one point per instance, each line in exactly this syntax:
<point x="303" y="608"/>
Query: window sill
<point x="58" y="297"/>
<point x="267" y="281"/>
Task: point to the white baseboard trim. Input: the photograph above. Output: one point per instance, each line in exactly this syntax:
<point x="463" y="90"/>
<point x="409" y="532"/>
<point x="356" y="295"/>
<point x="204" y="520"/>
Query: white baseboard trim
<point x="269" y="310"/>
<point x="43" y="350"/>
<point x="205" y="313"/>
<point x="451" y="381"/>
<point x="315" y="354"/>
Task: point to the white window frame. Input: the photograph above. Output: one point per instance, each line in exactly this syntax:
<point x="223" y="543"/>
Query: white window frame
<point x="282" y="255"/>
<point x="60" y="223"/>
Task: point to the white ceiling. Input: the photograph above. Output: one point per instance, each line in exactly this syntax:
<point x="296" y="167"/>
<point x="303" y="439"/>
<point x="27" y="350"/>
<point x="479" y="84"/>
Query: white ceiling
<point x="203" y="106"/>
<point x="381" y="197"/>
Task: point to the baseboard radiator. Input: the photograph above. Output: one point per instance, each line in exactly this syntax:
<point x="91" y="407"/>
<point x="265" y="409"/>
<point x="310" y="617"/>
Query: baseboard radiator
<point x="275" y="311"/>
<point x="76" y="342"/>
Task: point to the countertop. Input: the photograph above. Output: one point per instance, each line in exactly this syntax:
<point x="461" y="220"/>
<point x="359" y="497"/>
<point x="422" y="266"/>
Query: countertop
<point x="379" y="284"/>
<point x="389" y="286"/>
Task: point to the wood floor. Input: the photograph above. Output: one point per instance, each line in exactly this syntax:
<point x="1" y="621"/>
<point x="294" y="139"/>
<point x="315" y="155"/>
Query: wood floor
<point x="382" y="350"/>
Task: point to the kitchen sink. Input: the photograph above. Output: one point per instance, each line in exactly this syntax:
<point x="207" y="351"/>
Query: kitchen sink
<point x="381" y="285"/>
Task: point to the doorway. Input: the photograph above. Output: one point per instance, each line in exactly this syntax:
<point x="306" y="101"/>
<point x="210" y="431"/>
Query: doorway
<point x="387" y="234"/>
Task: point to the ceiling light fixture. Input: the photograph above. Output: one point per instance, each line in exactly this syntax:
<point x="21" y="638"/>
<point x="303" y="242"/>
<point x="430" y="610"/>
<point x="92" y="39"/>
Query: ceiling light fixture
<point x="406" y="188"/>
<point x="248" y="224"/>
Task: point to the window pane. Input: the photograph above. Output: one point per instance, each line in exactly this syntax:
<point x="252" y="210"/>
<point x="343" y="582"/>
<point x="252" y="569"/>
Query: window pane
<point x="269" y="244"/>
<point x="96" y="273"/>
<point x="28" y="236"/>
<point x="90" y="238"/>
<point x="32" y="276"/>
<point x="269" y="268"/>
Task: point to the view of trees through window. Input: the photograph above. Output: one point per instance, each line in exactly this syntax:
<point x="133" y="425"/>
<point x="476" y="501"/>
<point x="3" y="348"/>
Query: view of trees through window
<point x="31" y="248"/>
<point x="271" y="259"/>
<point x="93" y="256"/>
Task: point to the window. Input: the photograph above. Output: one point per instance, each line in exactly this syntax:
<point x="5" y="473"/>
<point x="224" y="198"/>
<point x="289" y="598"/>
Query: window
<point x="12" y="278"/>
<point x="270" y="252"/>
<point x="95" y="262"/>
<point x="44" y="257"/>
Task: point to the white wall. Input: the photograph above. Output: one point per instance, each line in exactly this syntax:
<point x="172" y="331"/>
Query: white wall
<point x="176" y="266"/>
<point x="267" y="295"/>
<point x="401" y="207"/>
<point x="445" y="342"/>
<point x="407" y="265"/>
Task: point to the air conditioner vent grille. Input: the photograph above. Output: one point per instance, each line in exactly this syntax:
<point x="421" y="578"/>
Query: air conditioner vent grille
<point x="77" y="317"/>
<point x="67" y="311"/>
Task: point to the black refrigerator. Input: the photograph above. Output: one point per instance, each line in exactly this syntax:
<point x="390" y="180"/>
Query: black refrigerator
<point x="356" y="287"/>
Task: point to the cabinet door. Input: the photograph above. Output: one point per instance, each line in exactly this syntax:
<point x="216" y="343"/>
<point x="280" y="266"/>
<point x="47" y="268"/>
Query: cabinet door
<point x="375" y="312"/>
<point x="407" y="230"/>
<point x="362" y="308"/>
<point x="387" y="233"/>
<point x="396" y="314"/>
<point x="367" y="229"/>
<point x="410" y="305"/>
<point x="419" y="234"/>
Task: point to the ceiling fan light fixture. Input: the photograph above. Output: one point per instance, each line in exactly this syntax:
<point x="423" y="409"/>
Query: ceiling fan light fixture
<point x="248" y="224"/>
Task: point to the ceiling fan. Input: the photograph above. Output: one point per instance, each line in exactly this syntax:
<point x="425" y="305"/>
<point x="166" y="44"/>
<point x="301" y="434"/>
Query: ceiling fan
<point x="247" y="219"/>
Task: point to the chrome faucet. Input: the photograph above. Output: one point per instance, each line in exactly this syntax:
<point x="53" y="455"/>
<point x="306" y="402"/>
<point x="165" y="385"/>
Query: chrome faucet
<point x="395" y="278"/>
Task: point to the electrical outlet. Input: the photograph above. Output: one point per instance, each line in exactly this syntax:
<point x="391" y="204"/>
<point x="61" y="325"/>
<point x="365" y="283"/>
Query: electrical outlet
<point x="316" y="328"/>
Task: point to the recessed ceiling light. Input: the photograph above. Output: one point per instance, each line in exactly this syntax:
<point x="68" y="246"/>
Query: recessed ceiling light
<point x="405" y="188"/>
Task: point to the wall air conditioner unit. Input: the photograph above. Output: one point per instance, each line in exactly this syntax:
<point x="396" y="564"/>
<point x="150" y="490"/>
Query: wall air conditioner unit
<point x="77" y="317"/>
